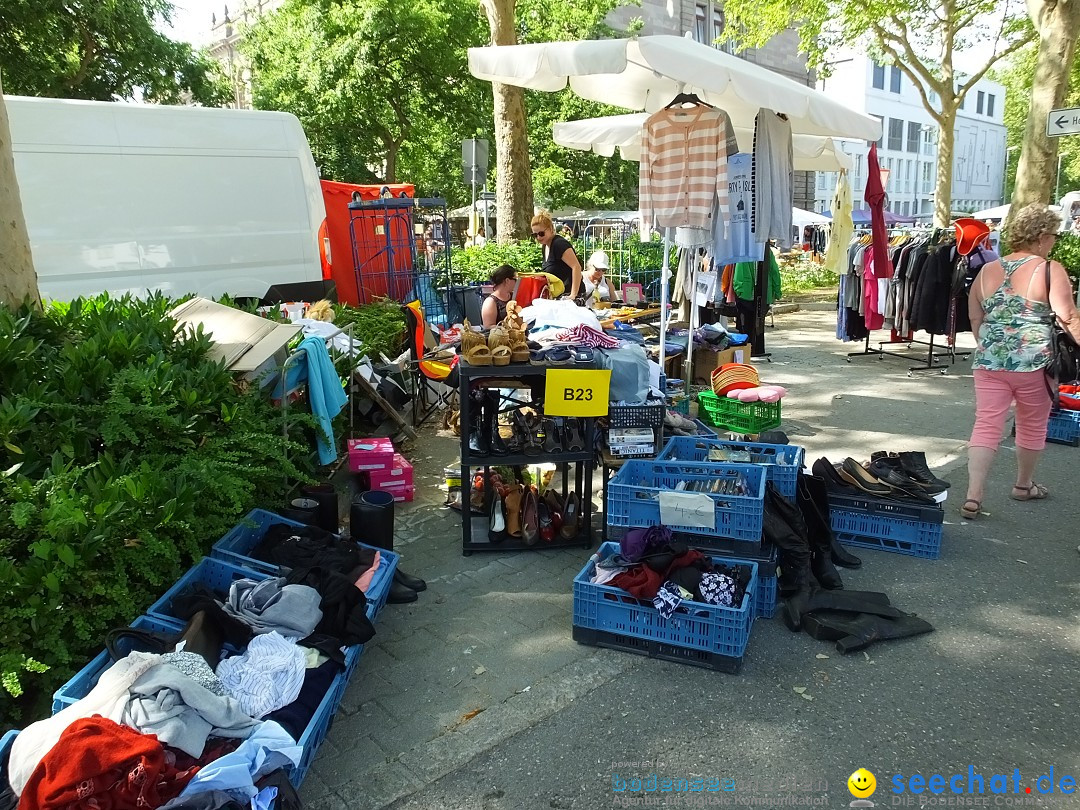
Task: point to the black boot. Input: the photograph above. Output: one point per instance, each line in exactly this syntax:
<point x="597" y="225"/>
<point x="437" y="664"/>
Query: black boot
<point x="327" y="497"/>
<point x="794" y="559"/>
<point x="820" y="563"/>
<point x="914" y="464"/>
<point x="491" y="426"/>
<point x="410" y="582"/>
<point x="857" y="631"/>
<point x="479" y="438"/>
<point x="813" y="499"/>
<point x="399" y="594"/>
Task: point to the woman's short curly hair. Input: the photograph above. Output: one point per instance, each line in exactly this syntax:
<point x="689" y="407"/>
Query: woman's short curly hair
<point x="1032" y="222"/>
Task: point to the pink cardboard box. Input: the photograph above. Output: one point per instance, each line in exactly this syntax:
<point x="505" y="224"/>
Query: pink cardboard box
<point x="371" y="455"/>
<point x="400" y="475"/>
<point x="405" y="494"/>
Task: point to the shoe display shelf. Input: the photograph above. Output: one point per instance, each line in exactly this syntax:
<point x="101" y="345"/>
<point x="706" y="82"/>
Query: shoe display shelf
<point x="709" y="636"/>
<point x="885" y="525"/>
<point x="474" y="525"/>
<point x="633" y="498"/>
<point x="747" y="418"/>
<point x="238" y="542"/>
<point x="782" y="462"/>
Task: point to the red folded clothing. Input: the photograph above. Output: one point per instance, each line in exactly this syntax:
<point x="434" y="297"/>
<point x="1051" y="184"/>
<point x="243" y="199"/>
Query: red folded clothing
<point x="1069" y="397"/>
<point x="643" y="582"/>
<point x="97" y="763"/>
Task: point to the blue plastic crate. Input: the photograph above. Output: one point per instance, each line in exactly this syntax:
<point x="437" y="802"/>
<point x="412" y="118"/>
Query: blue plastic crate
<point x="765" y="599"/>
<point x="916" y="538"/>
<point x="709" y="635"/>
<point x="242" y="538"/>
<point x="215" y="575"/>
<point x="782" y="462"/>
<point x="1063" y="427"/>
<point x="317" y="729"/>
<point x="633" y="496"/>
<point x="87" y="677"/>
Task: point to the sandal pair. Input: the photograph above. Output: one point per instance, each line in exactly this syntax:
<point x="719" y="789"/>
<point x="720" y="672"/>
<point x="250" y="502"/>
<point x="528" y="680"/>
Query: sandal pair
<point x="1035" y="492"/>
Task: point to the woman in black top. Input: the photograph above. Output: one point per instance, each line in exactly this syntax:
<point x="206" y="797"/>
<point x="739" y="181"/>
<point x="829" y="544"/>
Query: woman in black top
<point x="503" y="282"/>
<point x="559" y="257"/>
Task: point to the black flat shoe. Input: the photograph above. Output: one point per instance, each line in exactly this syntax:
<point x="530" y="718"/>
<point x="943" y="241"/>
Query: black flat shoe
<point x="400" y="595"/>
<point x="410" y="582"/>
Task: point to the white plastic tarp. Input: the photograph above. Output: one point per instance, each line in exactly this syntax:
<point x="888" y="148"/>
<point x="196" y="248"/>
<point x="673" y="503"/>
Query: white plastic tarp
<point x="604" y="135"/>
<point x="645" y="73"/>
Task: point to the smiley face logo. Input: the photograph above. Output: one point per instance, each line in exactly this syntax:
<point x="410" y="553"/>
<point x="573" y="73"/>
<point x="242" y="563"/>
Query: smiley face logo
<point x="862" y="784"/>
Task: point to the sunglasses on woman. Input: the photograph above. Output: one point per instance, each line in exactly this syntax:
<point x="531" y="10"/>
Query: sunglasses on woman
<point x="538" y="234"/>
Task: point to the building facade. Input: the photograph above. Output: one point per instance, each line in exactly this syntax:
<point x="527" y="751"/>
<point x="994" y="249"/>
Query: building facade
<point x="226" y="32"/>
<point x="908" y="145"/>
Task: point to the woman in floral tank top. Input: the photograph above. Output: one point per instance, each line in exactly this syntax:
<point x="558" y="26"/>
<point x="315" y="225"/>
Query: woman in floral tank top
<point x="1011" y="310"/>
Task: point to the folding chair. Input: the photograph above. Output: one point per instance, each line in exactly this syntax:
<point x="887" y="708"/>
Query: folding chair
<point x="427" y="367"/>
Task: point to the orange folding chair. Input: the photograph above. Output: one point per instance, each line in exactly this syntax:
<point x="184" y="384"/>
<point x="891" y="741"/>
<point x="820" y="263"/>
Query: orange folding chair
<point x="427" y="366"/>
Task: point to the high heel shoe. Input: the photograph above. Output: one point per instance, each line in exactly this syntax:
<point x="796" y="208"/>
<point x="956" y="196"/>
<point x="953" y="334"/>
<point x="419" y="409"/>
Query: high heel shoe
<point x="543" y="516"/>
<point x="530" y="523"/>
<point x="497" y="522"/>
<point x="571" y="517"/>
<point x="555" y="508"/>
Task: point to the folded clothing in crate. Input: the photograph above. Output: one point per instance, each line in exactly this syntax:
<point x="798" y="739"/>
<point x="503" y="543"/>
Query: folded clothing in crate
<point x="719" y="627"/>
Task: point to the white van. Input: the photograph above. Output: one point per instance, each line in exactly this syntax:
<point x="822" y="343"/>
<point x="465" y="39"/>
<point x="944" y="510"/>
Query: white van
<point x="131" y="198"/>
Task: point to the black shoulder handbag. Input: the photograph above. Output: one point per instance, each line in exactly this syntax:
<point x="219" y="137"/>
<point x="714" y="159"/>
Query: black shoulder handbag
<point x="1064" y="365"/>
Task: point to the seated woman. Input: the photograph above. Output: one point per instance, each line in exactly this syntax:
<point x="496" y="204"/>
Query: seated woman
<point x="503" y="281"/>
<point x="596" y="286"/>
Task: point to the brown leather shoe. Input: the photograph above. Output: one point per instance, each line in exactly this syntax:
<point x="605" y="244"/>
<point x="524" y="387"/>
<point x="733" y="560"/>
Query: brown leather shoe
<point x="571" y="517"/>
<point x="512" y="499"/>
<point x="530" y="518"/>
<point x="856" y="475"/>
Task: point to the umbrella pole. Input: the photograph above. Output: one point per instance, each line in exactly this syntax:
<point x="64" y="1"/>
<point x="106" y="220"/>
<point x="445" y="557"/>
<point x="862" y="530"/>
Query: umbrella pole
<point x="688" y="362"/>
<point x="665" y="271"/>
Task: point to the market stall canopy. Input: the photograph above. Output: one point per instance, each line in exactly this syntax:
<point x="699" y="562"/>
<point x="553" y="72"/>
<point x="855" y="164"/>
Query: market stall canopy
<point x="861" y="217"/>
<point x="603" y="135"/>
<point x="645" y="73"/>
<point x="997" y="212"/>
<point x="801" y="218"/>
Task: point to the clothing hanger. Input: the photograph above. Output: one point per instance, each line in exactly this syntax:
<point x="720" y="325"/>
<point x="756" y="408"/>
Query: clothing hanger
<point x="686" y="98"/>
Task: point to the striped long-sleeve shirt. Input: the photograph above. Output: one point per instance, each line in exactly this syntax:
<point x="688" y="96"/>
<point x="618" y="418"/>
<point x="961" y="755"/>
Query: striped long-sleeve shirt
<point x="684" y="156"/>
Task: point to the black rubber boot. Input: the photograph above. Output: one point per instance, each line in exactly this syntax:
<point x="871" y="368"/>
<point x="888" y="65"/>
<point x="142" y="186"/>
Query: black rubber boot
<point x="813" y="498"/>
<point x="400" y="595"/>
<point x="793" y="562"/>
<point x="820" y="563"/>
<point x="495" y="442"/>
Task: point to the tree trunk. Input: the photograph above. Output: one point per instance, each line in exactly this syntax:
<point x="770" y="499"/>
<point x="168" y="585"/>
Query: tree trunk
<point x="513" y="173"/>
<point x="18" y="281"/>
<point x="943" y="181"/>
<point x="1058" y="23"/>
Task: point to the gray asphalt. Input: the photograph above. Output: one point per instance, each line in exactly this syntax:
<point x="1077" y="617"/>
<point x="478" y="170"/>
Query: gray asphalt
<point x="563" y="726"/>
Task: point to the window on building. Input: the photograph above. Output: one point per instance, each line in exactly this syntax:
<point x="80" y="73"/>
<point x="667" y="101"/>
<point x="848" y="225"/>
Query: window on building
<point x="858" y="172"/>
<point x="927" y="177"/>
<point x="928" y="136"/>
<point x="962" y="99"/>
<point x="700" y="34"/>
<point x="906" y="208"/>
<point x="879" y="76"/>
<point x="896" y="134"/>
<point x="913" y="128"/>
<point x="979" y="102"/>
<point x="909" y="175"/>
<point x="990" y="104"/>
<point x="717" y="25"/>
<point x="894" y="79"/>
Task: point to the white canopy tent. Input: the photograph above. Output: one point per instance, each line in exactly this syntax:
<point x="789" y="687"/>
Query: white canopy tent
<point x="645" y="73"/>
<point x="603" y="135"/>
<point x="801" y="218"/>
<point x="997" y="212"/>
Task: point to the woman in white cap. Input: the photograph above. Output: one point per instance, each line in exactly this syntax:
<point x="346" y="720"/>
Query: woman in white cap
<point x="596" y="286"/>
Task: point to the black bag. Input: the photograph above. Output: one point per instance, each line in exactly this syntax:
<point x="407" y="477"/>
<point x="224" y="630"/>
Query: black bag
<point x="1064" y="365"/>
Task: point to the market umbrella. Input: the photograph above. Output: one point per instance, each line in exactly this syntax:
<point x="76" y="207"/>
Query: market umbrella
<point x="998" y="212"/>
<point x="875" y="198"/>
<point x="801" y="218"/>
<point x="645" y="73"/>
<point x="623" y="132"/>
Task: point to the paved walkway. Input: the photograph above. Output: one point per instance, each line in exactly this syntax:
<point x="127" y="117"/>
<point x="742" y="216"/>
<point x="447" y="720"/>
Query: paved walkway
<point x="476" y="697"/>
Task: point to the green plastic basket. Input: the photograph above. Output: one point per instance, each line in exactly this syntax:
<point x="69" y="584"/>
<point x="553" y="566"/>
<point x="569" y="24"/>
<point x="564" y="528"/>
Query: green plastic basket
<point x="740" y="417"/>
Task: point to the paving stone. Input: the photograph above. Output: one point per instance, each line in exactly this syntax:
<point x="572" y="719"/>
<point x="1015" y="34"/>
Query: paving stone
<point x="340" y="767"/>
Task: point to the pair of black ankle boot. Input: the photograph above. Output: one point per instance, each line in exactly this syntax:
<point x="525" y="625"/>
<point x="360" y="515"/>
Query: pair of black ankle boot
<point x="809" y="551"/>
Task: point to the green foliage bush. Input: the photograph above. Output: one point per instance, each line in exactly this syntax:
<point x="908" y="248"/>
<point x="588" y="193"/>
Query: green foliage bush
<point x="125" y="453"/>
<point x="1067" y="251"/>
<point x="380" y="326"/>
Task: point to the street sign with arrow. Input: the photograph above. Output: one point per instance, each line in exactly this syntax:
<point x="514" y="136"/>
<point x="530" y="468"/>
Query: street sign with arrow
<point x="1063" y="122"/>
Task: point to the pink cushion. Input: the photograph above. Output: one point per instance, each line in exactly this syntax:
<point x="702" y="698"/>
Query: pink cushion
<point x="770" y="395"/>
<point x="749" y="395"/>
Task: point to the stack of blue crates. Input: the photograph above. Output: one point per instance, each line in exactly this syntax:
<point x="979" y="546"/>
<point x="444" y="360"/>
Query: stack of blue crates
<point x="228" y="562"/>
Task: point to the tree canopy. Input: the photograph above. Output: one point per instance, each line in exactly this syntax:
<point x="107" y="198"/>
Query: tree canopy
<point x="921" y="37"/>
<point x="1017" y="78"/>
<point x="91" y="49"/>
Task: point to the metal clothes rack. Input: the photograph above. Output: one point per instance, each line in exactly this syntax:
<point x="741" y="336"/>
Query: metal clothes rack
<point x="932" y="356"/>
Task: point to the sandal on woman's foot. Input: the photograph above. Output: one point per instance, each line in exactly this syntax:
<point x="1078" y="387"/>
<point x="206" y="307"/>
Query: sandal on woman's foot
<point x="967" y="512"/>
<point x="1035" y="492"/>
